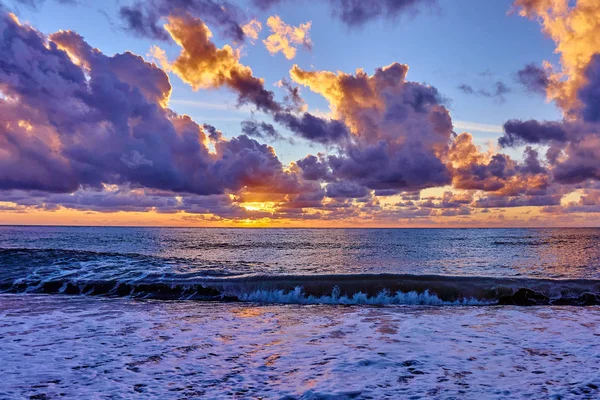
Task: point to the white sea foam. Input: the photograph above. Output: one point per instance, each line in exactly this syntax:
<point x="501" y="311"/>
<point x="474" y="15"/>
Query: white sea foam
<point x="297" y="296"/>
<point x="93" y="347"/>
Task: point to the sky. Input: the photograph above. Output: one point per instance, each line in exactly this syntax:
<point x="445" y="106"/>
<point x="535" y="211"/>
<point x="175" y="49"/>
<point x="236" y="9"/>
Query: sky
<point x="379" y="113"/>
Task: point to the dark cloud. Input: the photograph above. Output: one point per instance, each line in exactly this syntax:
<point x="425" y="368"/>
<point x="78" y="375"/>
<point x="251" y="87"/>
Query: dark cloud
<point x="531" y="162"/>
<point x="449" y="200"/>
<point x="313" y="128"/>
<point x="37" y="3"/>
<point x="65" y="130"/>
<point x="144" y="18"/>
<point x="500" y="89"/>
<point x="397" y="130"/>
<point x="533" y="132"/>
<point x="292" y="98"/>
<point x="266" y="4"/>
<point x="142" y="22"/>
<point x="467" y="89"/>
<point x="314" y="169"/>
<point x="518" y="201"/>
<point x="346" y="190"/>
<point x="377" y="168"/>
<point x="498" y="173"/>
<point x="386" y="192"/>
<point x="260" y="130"/>
<point x="580" y="165"/>
<point x="359" y="12"/>
<point x="589" y="94"/>
<point x="534" y="78"/>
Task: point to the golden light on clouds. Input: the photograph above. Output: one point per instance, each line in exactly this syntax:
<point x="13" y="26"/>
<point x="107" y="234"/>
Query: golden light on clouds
<point x="260" y="206"/>
<point x="285" y="38"/>
<point x="576" y="31"/>
<point x="252" y="29"/>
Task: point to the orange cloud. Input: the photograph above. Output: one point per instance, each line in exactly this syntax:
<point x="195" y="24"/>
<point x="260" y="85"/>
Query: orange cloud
<point x="252" y="29"/>
<point x="285" y="36"/>
<point x="203" y="65"/>
<point x="200" y="63"/>
<point x="576" y="31"/>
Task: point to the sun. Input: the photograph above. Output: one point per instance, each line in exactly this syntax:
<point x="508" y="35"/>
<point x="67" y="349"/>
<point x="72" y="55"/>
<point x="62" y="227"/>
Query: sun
<point x="258" y="206"/>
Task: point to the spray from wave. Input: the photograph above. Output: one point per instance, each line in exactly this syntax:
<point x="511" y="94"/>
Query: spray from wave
<point x="298" y="296"/>
<point x="371" y="289"/>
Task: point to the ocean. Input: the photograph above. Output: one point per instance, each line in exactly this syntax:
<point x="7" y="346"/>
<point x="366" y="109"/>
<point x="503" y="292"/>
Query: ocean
<point x="119" y="313"/>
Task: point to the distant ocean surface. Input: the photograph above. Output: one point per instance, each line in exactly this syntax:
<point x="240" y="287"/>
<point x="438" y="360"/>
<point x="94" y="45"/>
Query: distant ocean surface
<point x="302" y="313"/>
<point x="371" y="266"/>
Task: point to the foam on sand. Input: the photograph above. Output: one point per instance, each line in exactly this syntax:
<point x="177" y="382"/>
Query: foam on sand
<point x="80" y="346"/>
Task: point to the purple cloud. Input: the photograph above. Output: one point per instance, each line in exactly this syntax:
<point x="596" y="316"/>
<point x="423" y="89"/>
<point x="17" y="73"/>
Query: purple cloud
<point x="66" y="131"/>
<point x="534" y="78"/>
<point x="143" y="18"/>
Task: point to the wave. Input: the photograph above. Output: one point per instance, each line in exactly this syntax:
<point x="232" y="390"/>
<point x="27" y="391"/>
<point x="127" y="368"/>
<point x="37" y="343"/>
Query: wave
<point x="368" y="289"/>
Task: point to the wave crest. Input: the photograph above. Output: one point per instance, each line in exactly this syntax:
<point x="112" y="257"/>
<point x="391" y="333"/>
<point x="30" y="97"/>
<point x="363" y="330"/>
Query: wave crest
<point x="385" y="289"/>
<point x="385" y="297"/>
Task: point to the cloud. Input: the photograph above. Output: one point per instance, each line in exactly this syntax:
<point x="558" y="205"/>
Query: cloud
<point x="399" y="130"/>
<point x="532" y="132"/>
<point x="346" y="190"/>
<point x="313" y="128"/>
<point x="261" y="130"/>
<point x="400" y="139"/>
<point x="574" y="27"/>
<point x="75" y="119"/>
<point x="144" y="17"/>
<point x="500" y="89"/>
<point x="355" y="13"/>
<point x="589" y="93"/>
<point x="284" y="37"/>
<point x="91" y="132"/>
<point x="496" y="173"/>
<point x="203" y="65"/>
<point x="252" y="29"/>
<point x="534" y="78"/>
<point x="589" y="202"/>
<point x="574" y="142"/>
<point x="449" y="200"/>
<point x="37" y="3"/>
<point x="518" y="201"/>
<point x="315" y="168"/>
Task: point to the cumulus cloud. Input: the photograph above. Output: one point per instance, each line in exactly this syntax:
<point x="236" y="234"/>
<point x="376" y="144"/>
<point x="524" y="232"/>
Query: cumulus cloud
<point x="497" y="174"/>
<point x="87" y="131"/>
<point x="398" y="130"/>
<point x="203" y="65"/>
<point x="285" y="38"/>
<point x="575" y="29"/>
<point x="589" y="202"/>
<point x="574" y="142"/>
<point x="74" y="119"/>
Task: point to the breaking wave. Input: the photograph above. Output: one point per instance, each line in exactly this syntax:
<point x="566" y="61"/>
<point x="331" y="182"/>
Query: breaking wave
<point x="73" y="272"/>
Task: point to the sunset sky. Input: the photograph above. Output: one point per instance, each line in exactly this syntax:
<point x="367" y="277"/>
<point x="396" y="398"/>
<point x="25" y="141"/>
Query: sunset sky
<point x="424" y="113"/>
